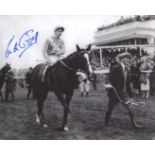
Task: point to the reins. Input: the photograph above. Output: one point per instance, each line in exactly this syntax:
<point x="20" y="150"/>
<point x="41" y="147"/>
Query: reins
<point x="66" y="66"/>
<point x="140" y="104"/>
<point x="70" y="68"/>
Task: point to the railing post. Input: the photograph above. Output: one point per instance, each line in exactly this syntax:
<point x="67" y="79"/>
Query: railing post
<point x="101" y="58"/>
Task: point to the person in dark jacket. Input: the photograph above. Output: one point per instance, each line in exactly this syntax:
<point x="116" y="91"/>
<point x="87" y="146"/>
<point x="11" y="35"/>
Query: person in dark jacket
<point x="29" y="83"/>
<point x="120" y="80"/>
<point x="135" y="76"/>
<point x="152" y="81"/>
<point x="10" y="84"/>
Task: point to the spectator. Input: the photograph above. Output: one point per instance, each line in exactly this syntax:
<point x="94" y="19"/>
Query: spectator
<point x="29" y="83"/>
<point x="146" y="68"/>
<point x="152" y="81"/>
<point x="84" y="83"/>
<point x="10" y="84"/>
<point x="135" y="76"/>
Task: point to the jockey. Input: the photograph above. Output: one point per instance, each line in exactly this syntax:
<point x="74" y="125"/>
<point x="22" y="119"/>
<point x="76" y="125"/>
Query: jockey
<point x="54" y="49"/>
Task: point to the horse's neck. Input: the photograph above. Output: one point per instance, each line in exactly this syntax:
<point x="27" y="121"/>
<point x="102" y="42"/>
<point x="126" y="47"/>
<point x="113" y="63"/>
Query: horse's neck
<point x="3" y="71"/>
<point x="70" y="62"/>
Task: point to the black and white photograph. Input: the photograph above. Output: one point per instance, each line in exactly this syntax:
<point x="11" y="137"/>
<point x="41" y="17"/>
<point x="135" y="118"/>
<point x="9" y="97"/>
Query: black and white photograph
<point x="77" y="77"/>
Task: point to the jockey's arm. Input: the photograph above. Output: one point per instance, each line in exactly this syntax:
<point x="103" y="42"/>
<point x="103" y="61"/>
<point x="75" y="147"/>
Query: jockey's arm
<point x="62" y="50"/>
<point x="45" y="50"/>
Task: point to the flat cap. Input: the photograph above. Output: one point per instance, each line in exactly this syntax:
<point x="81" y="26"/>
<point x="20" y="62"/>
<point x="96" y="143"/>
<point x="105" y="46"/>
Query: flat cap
<point x="59" y="28"/>
<point x="124" y="55"/>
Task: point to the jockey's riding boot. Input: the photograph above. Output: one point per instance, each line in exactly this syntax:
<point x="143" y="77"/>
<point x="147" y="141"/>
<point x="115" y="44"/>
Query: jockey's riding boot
<point x="44" y="73"/>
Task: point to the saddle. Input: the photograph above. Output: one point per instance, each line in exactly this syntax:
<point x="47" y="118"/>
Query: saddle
<point x="44" y="70"/>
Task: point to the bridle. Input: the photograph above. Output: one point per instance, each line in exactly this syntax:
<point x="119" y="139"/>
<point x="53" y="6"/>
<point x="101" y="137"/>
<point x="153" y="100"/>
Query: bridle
<point x="70" y="68"/>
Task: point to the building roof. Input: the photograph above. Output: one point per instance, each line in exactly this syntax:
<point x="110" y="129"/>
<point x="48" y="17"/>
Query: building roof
<point x="145" y="29"/>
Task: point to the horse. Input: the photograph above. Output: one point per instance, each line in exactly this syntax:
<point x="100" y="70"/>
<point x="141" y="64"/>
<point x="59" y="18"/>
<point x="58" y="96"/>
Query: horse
<point x="61" y="80"/>
<point x="3" y="73"/>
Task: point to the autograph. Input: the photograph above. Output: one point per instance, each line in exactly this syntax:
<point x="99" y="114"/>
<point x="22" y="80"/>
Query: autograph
<point x="26" y="40"/>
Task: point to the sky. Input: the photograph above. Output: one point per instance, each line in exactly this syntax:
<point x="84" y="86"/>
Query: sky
<point x="78" y="30"/>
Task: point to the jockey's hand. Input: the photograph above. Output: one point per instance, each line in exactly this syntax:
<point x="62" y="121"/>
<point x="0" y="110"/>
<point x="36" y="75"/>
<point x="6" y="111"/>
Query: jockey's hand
<point x="130" y="100"/>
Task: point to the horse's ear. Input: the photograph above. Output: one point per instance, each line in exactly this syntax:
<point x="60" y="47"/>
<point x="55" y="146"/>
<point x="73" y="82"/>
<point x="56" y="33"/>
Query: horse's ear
<point x="78" y="48"/>
<point x="89" y="47"/>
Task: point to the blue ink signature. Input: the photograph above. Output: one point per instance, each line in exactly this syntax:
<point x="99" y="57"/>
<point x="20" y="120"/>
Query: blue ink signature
<point x="26" y="40"/>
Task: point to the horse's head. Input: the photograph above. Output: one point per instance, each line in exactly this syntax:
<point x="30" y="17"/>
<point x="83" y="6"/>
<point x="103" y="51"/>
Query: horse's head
<point x="5" y="68"/>
<point x="83" y="60"/>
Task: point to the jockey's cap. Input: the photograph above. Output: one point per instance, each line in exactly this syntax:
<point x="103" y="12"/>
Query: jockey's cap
<point x="59" y="28"/>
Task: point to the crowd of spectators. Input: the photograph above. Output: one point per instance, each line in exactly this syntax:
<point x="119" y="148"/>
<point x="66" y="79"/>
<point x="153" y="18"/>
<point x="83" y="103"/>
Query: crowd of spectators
<point x="123" y="21"/>
<point x="142" y="73"/>
<point x="142" y="69"/>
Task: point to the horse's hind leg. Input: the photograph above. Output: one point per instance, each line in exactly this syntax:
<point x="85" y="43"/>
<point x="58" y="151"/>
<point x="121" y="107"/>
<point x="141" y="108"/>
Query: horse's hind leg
<point x="40" y="116"/>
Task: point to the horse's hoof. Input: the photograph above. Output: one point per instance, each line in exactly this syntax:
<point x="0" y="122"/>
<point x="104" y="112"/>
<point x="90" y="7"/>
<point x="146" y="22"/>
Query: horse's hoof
<point x="37" y="119"/>
<point x="45" y="126"/>
<point x="66" y="129"/>
<point x="63" y="129"/>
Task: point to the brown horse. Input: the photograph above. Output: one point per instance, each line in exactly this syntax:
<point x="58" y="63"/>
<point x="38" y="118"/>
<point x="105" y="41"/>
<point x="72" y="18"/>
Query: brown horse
<point x="60" y="79"/>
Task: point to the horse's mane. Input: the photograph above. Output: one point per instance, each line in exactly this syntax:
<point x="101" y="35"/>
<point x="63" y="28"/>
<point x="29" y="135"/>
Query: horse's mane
<point x="70" y="56"/>
<point x="3" y="68"/>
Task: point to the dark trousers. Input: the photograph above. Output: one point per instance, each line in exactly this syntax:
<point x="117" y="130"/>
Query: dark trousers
<point x="30" y="91"/>
<point x="7" y="93"/>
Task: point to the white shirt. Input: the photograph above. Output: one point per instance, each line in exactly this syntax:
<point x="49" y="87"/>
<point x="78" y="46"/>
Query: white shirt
<point x="123" y="66"/>
<point x="82" y="76"/>
<point x="125" y="75"/>
<point x="53" y="48"/>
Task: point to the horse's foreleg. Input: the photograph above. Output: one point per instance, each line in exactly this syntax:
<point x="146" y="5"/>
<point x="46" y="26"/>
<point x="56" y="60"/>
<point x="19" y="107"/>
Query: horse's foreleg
<point x="65" y="103"/>
<point x="66" y="110"/>
<point x="62" y="101"/>
<point x="65" y="117"/>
